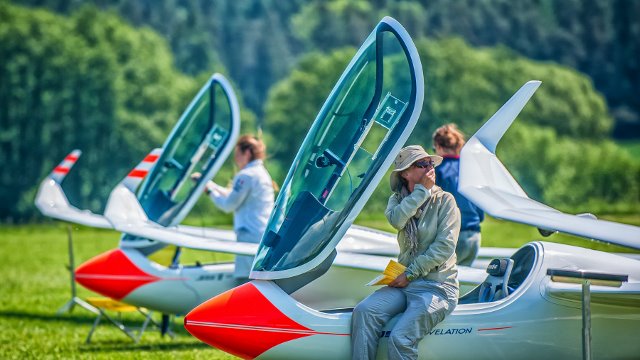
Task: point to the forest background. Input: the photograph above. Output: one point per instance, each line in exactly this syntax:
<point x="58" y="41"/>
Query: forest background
<point x="111" y="77"/>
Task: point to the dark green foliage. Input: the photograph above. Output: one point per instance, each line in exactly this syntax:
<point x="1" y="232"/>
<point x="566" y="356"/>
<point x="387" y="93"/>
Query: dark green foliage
<point x="249" y="38"/>
<point x="325" y="25"/>
<point x="598" y="37"/>
<point x="574" y="175"/>
<point x="567" y="119"/>
<point x="89" y="82"/>
<point x="463" y="85"/>
<point x="294" y="102"/>
<point x="259" y="40"/>
<point x="466" y="86"/>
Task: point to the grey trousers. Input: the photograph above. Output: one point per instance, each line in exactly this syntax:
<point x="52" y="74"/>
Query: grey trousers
<point x="467" y="248"/>
<point x="425" y="303"/>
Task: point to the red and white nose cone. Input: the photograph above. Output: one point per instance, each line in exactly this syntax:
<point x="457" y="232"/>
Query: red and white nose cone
<point x="243" y="322"/>
<point x="112" y="274"/>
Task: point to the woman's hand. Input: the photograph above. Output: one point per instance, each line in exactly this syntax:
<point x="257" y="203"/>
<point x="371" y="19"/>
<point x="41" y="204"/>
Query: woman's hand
<point x="209" y="187"/>
<point x="428" y="179"/>
<point x="400" y="282"/>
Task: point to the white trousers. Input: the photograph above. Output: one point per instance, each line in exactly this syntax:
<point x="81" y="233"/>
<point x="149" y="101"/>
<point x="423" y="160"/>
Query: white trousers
<point x="243" y="263"/>
<point x="423" y="304"/>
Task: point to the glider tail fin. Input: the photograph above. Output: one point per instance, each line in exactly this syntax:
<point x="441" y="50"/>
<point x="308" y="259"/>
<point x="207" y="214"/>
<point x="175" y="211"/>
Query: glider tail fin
<point x="60" y="172"/>
<point x="52" y="201"/>
<point x="135" y="176"/>
<point x="123" y="206"/>
<point x="486" y="182"/>
<point x="493" y="130"/>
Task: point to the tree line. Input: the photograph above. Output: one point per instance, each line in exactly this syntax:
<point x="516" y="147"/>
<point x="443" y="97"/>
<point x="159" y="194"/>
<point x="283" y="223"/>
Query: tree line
<point x="87" y="81"/>
<point x="552" y="148"/>
<point x="92" y="80"/>
<point x="260" y="41"/>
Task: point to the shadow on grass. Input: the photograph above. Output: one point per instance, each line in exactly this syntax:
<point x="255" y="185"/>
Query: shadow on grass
<point x="182" y="341"/>
<point x="77" y="317"/>
<point x="176" y="344"/>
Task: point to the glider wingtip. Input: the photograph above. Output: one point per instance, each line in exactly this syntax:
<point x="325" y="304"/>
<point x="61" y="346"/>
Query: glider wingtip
<point x="533" y="84"/>
<point x="493" y="130"/>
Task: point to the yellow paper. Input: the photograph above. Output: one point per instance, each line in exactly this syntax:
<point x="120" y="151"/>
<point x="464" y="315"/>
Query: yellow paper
<point x="390" y="273"/>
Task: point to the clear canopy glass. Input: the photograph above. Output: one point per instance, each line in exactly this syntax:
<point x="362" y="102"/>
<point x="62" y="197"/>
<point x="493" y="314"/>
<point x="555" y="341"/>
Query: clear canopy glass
<point x="356" y="129"/>
<point x="195" y="145"/>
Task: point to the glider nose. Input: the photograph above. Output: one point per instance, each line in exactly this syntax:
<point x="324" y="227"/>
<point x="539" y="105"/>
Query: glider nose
<point x="112" y="274"/>
<point x="242" y="322"/>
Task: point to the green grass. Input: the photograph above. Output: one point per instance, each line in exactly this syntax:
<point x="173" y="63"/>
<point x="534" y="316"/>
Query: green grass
<point x="35" y="283"/>
<point x="499" y="233"/>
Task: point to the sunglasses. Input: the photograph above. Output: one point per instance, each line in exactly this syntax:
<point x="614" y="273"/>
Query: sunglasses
<point x="423" y="164"/>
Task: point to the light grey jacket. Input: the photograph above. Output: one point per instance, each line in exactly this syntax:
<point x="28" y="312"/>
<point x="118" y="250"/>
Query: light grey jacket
<point x="438" y="229"/>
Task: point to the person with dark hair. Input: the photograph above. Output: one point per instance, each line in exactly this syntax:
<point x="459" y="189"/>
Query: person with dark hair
<point x="448" y="142"/>
<point x="250" y="198"/>
<point x="428" y="222"/>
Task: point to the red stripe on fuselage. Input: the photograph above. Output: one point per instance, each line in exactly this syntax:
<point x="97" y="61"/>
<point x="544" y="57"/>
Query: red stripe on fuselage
<point x="243" y="322"/>
<point x="71" y="158"/>
<point x="112" y="274"/>
<point x="496" y="328"/>
<point x="261" y="328"/>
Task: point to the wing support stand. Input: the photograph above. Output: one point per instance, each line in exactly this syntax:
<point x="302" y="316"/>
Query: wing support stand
<point x="75" y="300"/>
<point x="586" y="278"/>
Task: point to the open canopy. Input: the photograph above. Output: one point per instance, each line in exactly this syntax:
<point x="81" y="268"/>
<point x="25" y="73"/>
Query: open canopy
<point x="360" y="128"/>
<point x="200" y="142"/>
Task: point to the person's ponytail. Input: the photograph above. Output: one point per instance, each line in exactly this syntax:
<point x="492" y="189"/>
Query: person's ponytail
<point x="448" y="137"/>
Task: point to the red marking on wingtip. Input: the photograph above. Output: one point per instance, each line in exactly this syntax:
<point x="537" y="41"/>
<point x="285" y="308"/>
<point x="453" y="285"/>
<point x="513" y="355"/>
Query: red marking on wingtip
<point x="112" y="274"/>
<point x="151" y="158"/>
<point x="71" y="158"/>
<point x="243" y="322"/>
<point x="61" y="170"/>
<point x="138" y="173"/>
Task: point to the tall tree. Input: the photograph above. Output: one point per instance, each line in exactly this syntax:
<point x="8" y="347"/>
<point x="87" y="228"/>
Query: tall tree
<point x="260" y="40"/>
<point x="88" y="81"/>
<point x="467" y="85"/>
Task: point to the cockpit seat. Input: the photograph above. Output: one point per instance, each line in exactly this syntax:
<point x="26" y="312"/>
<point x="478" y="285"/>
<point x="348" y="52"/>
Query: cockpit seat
<point x="495" y="287"/>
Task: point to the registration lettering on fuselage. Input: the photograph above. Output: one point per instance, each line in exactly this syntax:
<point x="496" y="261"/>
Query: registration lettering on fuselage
<point x="458" y="331"/>
<point x="209" y="277"/>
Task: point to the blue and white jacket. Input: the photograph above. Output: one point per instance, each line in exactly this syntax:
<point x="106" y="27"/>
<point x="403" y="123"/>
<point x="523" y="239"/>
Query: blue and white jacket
<point x="447" y="178"/>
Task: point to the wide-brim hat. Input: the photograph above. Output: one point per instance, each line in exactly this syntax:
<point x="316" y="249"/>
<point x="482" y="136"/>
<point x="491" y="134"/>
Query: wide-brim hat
<point x="406" y="157"/>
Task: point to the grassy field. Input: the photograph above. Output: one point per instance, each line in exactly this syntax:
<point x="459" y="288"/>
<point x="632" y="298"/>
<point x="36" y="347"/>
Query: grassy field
<point x="499" y="233"/>
<point x="35" y="283"/>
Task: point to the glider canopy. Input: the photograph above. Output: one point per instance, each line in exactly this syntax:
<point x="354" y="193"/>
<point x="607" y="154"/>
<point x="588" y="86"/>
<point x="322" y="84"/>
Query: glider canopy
<point x="360" y="128"/>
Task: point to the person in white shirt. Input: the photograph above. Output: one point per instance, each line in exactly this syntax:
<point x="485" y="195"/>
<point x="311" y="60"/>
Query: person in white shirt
<point x="250" y="198"/>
